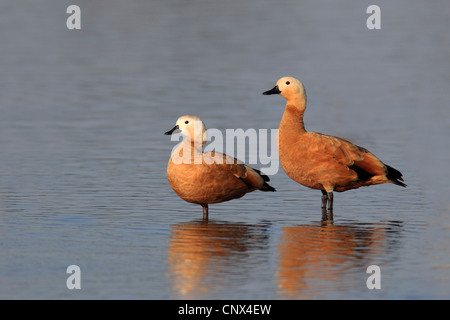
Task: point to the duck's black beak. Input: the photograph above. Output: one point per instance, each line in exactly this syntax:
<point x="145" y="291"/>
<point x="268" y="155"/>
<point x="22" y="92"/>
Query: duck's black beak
<point x="171" y="130"/>
<point x="274" y="90"/>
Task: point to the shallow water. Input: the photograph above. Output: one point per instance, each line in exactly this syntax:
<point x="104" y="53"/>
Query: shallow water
<point x="83" y="154"/>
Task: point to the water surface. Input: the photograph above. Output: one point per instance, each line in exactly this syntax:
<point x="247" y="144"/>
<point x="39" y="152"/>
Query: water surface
<point x="83" y="155"/>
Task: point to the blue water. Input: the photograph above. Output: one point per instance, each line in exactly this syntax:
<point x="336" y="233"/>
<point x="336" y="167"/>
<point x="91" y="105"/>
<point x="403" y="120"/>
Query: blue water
<point x="83" y="155"/>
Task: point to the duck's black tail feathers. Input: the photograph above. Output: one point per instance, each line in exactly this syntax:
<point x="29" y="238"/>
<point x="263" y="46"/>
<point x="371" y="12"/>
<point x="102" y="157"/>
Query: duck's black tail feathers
<point x="266" y="186"/>
<point x="395" y="176"/>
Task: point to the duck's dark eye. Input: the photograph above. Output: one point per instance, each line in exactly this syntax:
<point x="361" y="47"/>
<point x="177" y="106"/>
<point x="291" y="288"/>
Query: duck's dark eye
<point x="288" y="83"/>
<point x="186" y="122"/>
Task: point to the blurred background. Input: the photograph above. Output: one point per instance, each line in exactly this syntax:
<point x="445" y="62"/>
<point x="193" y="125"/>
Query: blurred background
<point x="83" y="155"/>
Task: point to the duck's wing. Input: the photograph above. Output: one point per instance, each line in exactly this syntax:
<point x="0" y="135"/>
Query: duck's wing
<point x="357" y="158"/>
<point x="251" y="177"/>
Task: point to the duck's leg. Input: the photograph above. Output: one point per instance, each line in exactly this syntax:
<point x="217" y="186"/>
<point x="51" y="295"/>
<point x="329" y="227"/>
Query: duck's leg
<point x="324" y="199"/>
<point x="327" y="214"/>
<point x="205" y="211"/>
<point x="330" y="200"/>
<point x="324" y="215"/>
<point x="330" y="206"/>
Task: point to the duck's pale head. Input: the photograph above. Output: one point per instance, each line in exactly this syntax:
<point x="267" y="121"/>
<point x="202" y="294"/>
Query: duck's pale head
<point x="288" y="87"/>
<point x="191" y="127"/>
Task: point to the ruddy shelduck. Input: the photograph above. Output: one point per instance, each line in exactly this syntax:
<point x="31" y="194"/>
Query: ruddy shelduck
<point x="208" y="177"/>
<point x="319" y="161"/>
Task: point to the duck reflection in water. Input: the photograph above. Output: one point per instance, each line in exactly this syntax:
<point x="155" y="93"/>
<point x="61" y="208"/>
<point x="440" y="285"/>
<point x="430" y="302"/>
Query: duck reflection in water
<point x="204" y="257"/>
<point x="202" y="253"/>
<point x="313" y="258"/>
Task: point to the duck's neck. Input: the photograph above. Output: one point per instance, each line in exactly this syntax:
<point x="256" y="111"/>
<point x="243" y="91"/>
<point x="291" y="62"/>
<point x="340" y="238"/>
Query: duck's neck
<point x="187" y="152"/>
<point x="292" y="120"/>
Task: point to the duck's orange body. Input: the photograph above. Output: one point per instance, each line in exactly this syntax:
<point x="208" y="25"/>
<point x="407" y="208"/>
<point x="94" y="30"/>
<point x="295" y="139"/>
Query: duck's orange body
<point x="207" y="182"/>
<point x="208" y="177"/>
<point x="319" y="161"/>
